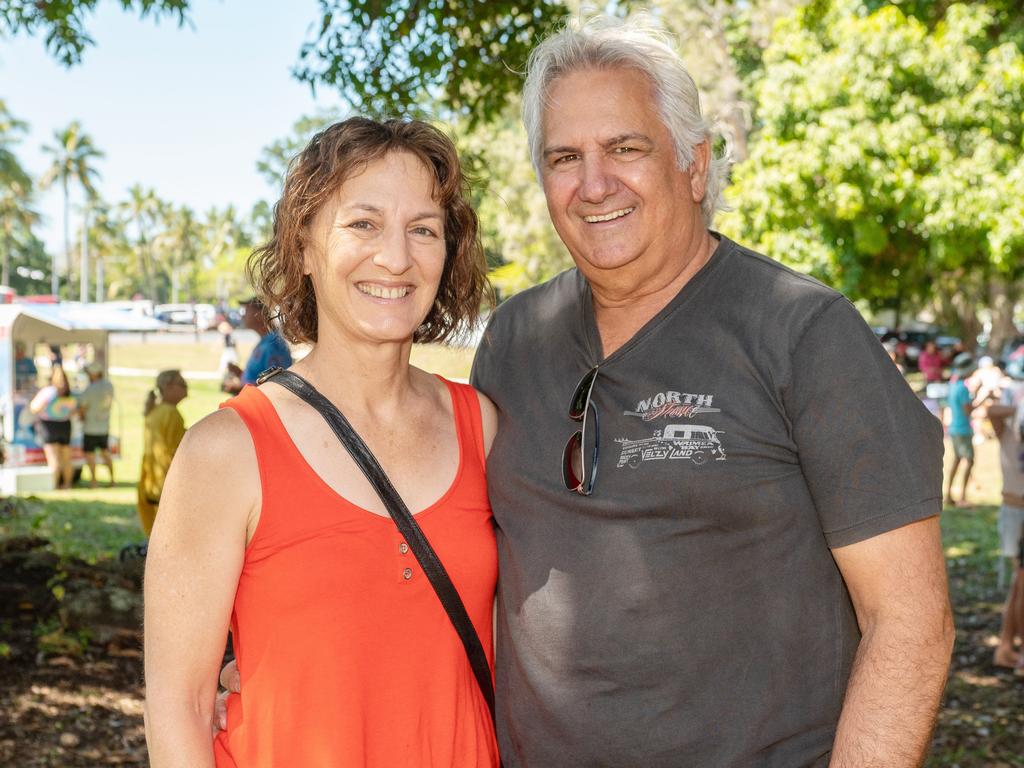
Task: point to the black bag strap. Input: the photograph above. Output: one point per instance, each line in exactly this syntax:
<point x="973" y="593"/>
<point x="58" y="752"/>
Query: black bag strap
<point x="407" y="526"/>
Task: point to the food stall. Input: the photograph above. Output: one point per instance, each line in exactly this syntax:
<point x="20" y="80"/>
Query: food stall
<point x="30" y="334"/>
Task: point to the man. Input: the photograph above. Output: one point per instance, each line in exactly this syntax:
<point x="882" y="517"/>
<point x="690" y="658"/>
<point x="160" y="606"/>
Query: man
<point x="747" y="568"/>
<point x="1007" y="419"/>
<point x="270" y="351"/>
<point x="756" y="576"/>
<point x="94" y="409"/>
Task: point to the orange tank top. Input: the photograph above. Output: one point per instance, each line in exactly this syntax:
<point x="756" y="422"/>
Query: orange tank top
<point x="345" y="654"/>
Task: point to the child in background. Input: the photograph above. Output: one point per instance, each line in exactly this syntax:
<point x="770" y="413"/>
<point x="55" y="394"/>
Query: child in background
<point x="164" y="429"/>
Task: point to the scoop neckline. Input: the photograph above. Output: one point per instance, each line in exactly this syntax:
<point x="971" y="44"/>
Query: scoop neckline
<point x="324" y="485"/>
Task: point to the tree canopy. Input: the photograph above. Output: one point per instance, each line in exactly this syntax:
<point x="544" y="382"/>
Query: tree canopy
<point x="63" y="24"/>
<point x="386" y="56"/>
<point x="888" y="158"/>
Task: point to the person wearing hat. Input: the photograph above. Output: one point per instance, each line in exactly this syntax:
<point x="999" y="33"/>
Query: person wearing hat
<point x="1007" y="417"/>
<point x="94" y="410"/>
<point x="271" y="350"/>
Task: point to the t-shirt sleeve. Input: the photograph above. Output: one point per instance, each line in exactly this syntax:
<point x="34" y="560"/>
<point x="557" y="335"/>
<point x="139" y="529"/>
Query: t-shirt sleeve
<point x="870" y="451"/>
<point x="481" y="374"/>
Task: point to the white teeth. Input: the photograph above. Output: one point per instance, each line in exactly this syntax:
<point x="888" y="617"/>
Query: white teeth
<point x="608" y="216"/>
<point x="380" y="292"/>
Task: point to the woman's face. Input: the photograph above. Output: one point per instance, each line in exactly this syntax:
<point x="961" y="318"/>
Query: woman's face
<point x="376" y="252"/>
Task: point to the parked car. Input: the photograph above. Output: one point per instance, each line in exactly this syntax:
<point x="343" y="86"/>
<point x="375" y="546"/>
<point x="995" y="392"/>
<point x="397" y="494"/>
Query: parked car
<point x="908" y="344"/>
<point x="949" y="347"/>
<point x="202" y="316"/>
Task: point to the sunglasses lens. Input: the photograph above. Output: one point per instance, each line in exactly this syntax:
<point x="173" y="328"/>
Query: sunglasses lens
<point x="572" y="462"/>
<point x="578" y="404"/>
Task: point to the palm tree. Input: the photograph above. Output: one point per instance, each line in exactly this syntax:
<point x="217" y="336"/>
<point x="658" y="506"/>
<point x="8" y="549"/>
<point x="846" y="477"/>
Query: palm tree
<point x="142" y="209"/>
<point x="73" y="155"/>
<point x="109" y="244"/>
<point x="17" y="216"/>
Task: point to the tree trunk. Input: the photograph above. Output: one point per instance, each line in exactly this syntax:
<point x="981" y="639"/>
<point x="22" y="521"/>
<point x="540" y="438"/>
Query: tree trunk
<point x="1002" y="300"/>
<point x="54" y="279"/>
<point x="100" y="288"/>
<point x="5" y="278"/>
<point x="83" y="267"/>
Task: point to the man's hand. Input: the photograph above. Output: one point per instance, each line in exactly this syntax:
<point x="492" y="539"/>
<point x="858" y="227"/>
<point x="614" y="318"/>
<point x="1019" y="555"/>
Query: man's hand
<point x="232" y="682"/>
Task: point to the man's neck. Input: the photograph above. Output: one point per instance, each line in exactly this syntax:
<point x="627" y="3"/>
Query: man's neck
<point x="624" y="302"/>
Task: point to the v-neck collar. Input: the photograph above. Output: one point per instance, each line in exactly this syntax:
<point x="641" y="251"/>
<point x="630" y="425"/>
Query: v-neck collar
<point x="592" y="336"/>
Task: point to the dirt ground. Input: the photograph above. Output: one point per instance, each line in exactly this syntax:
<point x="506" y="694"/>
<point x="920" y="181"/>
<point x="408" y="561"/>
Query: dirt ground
<point x="70" y="660"/>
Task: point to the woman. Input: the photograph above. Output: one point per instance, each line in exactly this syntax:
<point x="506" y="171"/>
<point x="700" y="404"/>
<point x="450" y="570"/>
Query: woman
<point x="163" y="431"/>
<point x="54" y="406"/>
<point x="345" y="654"/>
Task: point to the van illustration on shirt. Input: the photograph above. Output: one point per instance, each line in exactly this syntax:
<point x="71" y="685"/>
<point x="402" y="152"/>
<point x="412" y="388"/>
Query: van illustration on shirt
<point x="677" y="441"/>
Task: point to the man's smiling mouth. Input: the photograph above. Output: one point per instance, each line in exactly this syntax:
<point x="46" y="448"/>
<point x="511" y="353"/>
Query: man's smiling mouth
<point x="609" y="216"/>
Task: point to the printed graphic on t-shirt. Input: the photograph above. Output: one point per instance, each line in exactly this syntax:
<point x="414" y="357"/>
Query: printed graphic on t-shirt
<point x="673" y="405"/>
<point x="676" y="441"/>
<point x="695" y="442"/>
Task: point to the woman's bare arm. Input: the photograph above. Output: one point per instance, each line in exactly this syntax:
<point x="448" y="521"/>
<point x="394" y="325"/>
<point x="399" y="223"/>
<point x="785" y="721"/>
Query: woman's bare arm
<point x="207" y="509"/>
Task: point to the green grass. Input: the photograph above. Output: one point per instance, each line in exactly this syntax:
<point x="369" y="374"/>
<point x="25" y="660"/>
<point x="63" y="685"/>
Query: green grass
<point x="186" y="355"/>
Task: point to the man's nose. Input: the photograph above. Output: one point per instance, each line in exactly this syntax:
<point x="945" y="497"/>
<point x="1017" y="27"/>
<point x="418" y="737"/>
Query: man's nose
<point x="597" y="182"/>
<point x="394" y="254"/>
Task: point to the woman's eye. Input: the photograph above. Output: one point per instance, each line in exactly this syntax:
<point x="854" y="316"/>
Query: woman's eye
<point x="361" y="224"/>
<point x="424" y="231"/>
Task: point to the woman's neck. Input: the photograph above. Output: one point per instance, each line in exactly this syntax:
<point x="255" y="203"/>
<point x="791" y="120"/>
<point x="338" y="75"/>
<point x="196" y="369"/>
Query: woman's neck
<point x="371" y="377"/>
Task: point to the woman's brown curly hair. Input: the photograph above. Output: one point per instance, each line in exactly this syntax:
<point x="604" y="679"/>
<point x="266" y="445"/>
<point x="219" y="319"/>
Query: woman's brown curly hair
<point x="333" y="156"/>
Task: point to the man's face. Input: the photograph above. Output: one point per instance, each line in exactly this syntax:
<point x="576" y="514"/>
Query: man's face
<point x="614" y="189"/>
<point x="251" y="318"/>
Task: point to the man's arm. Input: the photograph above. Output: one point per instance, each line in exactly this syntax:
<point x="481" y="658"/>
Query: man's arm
<point x="897" y="581"/>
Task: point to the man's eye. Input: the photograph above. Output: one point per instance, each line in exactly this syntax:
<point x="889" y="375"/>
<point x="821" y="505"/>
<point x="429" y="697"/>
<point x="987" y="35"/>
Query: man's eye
<point x="562" y="159"/>
<point x="624" y="150"/>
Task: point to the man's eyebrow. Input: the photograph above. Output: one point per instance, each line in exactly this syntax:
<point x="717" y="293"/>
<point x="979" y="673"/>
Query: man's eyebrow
<point x="625" y="138"/>
<point x="563" y="150"/>
<point x="622" y="138"/>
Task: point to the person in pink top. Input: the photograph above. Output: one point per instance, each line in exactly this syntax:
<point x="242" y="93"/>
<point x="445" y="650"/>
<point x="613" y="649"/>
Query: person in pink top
<point x="930" y="362"/>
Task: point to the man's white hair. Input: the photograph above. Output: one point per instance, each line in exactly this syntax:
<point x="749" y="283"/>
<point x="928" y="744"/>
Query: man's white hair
<point x="606" y="42"/>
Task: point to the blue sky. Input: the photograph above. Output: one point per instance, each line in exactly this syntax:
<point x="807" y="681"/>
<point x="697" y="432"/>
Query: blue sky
<point x="183" y="110"/>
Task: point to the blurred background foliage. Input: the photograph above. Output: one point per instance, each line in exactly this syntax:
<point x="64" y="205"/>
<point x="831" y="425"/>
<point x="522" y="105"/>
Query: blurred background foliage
<point x="877" y="145"/>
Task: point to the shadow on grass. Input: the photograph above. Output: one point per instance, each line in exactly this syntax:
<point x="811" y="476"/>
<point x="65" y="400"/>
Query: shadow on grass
<point x="90" y="530"/>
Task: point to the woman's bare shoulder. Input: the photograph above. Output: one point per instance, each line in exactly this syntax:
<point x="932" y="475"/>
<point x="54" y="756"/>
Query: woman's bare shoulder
<point x="218" y="446"/>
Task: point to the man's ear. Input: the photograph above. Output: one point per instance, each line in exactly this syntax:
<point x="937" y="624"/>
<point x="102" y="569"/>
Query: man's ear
<point x="699" y="170"/>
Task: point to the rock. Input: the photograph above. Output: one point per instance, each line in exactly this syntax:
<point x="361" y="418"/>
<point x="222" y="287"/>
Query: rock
<point x="105" y="611"/>
<point x="70" y="740"/>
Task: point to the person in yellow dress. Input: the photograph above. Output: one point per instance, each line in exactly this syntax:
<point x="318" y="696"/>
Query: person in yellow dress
<point x="164" y="429"/>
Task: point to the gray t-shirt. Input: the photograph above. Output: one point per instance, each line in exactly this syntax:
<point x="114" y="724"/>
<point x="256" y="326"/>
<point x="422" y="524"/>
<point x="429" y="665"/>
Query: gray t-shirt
<point x="689" y="612"/>
<point x="96" y="401"/>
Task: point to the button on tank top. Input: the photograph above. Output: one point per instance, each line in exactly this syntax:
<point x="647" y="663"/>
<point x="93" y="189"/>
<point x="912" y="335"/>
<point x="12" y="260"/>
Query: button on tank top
<point x="346" y="656"/>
